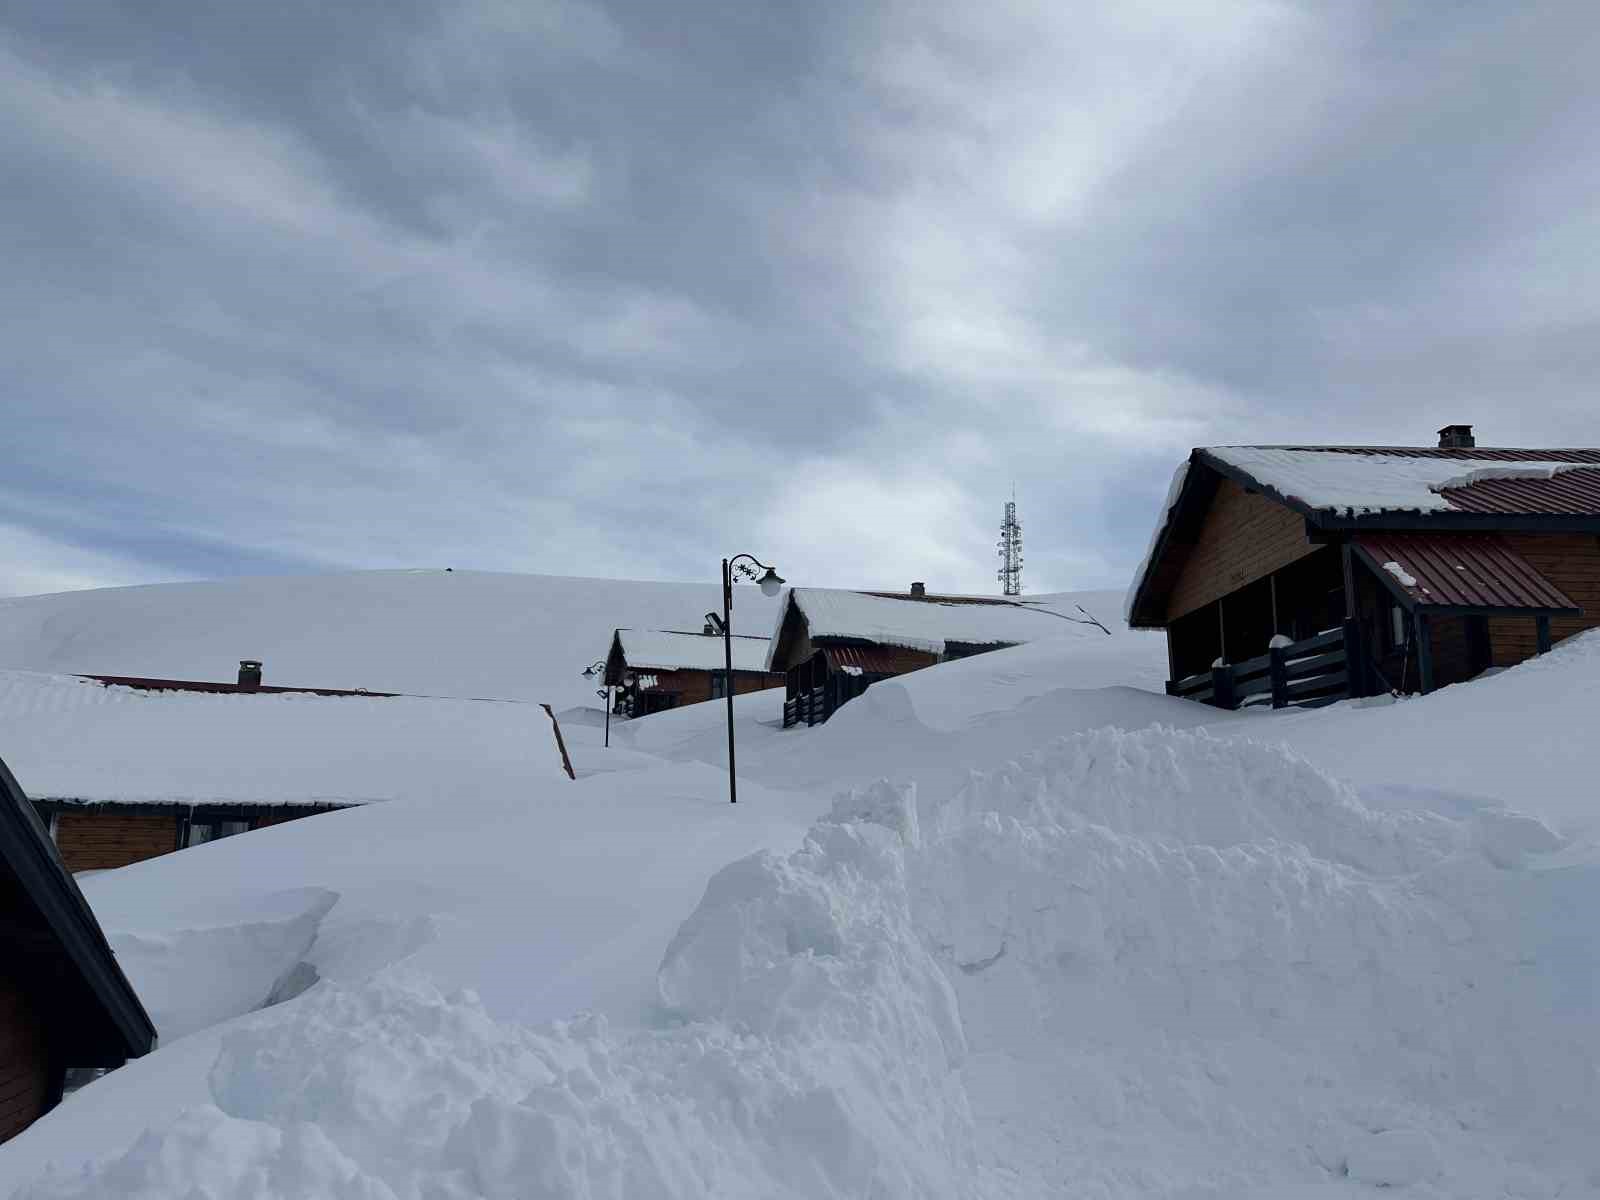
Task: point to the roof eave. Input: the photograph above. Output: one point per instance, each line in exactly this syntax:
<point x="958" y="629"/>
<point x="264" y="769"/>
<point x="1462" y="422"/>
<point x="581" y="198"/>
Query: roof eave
<point x="72" y="921"/>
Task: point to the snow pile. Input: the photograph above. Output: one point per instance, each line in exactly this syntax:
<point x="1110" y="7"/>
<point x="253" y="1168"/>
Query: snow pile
<point x="1404" y="577"/>
<point x="808" y="1049"/>
<point x="249" y="959"/>
<point x="1154" y="963"/>
<point x="1357" y="484"/>
<point x="928" y="625"/>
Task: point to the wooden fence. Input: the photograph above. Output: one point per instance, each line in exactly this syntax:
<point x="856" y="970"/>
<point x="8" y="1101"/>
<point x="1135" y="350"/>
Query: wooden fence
<point x="814" y="705"/>
<point x="1304" y="674"/>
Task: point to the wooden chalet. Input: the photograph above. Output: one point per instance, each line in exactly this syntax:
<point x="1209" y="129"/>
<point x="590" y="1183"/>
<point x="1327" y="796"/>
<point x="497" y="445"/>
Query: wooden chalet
<point x="654" y="670"/>
<point x="64" y="1002"/>
<point x="93" y="835"/>
<point x="99" y="835"/>
<point x="1304" y="574"/>
<point x="832" y="644"/>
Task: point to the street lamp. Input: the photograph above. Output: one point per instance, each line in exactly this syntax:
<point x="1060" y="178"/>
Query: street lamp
<point x="770" y="583"/>
<point x="599" y="665"/>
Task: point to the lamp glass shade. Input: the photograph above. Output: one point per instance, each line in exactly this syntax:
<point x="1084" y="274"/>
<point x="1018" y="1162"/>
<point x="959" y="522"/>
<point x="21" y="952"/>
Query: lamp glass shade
<point x="770" y="583"/>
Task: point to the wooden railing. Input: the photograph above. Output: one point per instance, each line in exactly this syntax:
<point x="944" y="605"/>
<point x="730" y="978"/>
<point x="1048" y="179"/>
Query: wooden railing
<point x="809" y="707"/>
<point x="1303" y="674"/>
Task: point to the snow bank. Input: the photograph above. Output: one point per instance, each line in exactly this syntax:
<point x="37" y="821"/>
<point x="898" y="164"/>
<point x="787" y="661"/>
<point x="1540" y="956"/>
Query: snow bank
<point x="1151" y="963"/>
<point x="248" y="960"/>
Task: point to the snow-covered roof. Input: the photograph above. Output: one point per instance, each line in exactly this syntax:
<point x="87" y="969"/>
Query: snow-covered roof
<point x="667" y="651"/>
<point x="1358" y="484"/>
<point x="923" y="624"/>
<point x="1341" y="483"/>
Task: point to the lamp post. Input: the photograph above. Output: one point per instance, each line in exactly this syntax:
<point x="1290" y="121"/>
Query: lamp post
<point x="599" y="665"/>
<point x="770" y="583"/>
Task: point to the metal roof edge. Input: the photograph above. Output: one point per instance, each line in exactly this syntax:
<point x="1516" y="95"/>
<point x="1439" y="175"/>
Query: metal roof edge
<point x="47" y="882"/>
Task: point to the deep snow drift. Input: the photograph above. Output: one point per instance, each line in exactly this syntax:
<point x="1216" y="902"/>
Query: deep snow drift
<point x="1153" y="963"/>
<point x="1015" y="926"/>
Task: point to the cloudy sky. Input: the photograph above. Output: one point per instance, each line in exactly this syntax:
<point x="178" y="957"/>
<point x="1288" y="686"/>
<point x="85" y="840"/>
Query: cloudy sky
<point x="578" y="287"/>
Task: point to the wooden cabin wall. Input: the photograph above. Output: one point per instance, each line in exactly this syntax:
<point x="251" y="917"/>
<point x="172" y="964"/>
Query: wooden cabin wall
<point x="694" y="687"/>
<point x="1244" y="537"/>
<point x="25" y="1071"/>
<point x="1571" y="561"/>
<point x="100" y="839"/>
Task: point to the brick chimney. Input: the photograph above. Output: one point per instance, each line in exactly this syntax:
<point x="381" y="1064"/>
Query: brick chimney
<point x="919" y="591"/>
<point x="1456" y="437"/>
<point x="249" y="673"/>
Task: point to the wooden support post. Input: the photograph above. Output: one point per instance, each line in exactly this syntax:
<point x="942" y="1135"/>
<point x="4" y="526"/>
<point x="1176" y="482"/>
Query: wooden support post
<point x="1541" y="626"/>
<point x="1222" y="695"/>
<point x="1424" y="637"/>
<point x="1357" y="666"/>
<point x="561" y="745"/>
<point x="1278" y="672"/>
<point x="1349" y="557"/>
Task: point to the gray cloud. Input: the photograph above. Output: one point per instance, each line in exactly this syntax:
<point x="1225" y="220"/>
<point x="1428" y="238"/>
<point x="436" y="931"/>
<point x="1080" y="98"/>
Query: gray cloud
<point x="616" y="289"/>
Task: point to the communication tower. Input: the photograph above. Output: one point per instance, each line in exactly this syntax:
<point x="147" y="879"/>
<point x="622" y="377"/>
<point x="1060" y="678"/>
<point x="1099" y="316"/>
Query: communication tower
<point x="1010" y="574"/>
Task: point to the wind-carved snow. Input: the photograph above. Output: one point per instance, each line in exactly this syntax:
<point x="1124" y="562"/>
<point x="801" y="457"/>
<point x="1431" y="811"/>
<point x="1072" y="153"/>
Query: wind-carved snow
<point x="1129" y="964"/>
<point x="247" y="959"/>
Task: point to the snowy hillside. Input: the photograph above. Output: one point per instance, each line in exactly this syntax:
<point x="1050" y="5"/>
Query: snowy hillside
<point x="1015" y="926"/>
<point x="432" y="632"/>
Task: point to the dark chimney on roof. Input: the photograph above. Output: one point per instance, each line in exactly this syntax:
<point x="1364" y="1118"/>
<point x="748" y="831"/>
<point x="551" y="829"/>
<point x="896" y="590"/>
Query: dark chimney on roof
<point x="919" y="590"/>
<point x="249" y="673"/>
<point x="1456" y="437"/>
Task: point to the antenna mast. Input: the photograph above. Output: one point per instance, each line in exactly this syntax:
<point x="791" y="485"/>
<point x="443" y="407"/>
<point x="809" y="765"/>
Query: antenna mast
<point x="1010" y="573"/>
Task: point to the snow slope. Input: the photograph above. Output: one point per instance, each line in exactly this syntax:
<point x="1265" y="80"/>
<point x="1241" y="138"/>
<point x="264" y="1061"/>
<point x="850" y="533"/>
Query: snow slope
<point x="1014" y="926"/>
<point x="433" y="632"/>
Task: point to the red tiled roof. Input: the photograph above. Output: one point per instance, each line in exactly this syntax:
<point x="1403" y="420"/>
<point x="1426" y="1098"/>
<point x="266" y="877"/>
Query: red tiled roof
<point x="1460" y="570"/>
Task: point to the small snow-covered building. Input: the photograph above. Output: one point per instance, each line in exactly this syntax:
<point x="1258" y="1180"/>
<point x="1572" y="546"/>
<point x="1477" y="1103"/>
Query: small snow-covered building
<point x="831" y="644"/>
<point x="64" y="1001"/>
<point x="1303" y="574"/>
<point x="95" y="833"/>
<point x="654" y="669"/>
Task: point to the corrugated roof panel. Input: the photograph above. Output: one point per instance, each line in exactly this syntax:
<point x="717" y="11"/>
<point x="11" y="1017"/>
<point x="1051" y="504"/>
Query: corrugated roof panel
<point x="1569" y="493"/>
<point x="1462" y="570"/>
<point x="871" y="660"/>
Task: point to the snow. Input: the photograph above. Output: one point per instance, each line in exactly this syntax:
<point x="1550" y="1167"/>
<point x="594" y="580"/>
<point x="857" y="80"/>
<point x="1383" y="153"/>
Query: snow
<point x="71" y="739"/>
<point x="432" y="632"/>
<point x="690" y="651"/>
<point x="927" y="625"/>
<point x="1481" y="474"/>
<point x="1404" y="577"/>
<point x="1013" y="926"/>
<point x="1358" y="484"/>
<point x="1174" y="490"/>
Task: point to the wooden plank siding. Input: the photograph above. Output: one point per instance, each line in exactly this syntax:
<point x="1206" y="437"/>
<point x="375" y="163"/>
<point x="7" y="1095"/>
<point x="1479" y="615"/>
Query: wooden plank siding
<point x="24" y="1062"/>
<point x="1243" y="537"/>
<point x="1571" y="561"/>
<point x="101" y="839"/>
